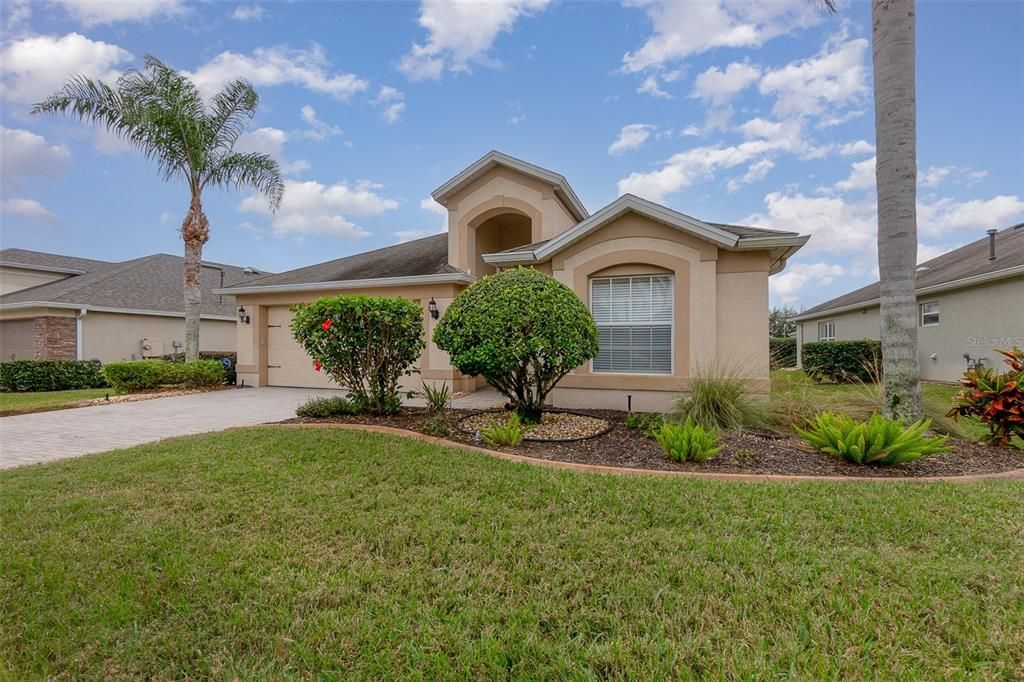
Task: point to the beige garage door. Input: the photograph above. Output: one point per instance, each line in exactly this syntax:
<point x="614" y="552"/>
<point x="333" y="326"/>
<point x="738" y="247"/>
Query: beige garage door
<point x="287" y="363"/>
<point x="16" y="340"/>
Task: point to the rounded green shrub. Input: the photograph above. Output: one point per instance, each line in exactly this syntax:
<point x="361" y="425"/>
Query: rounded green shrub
<point x="364" y="343"/>
<point x="522" y="331"/>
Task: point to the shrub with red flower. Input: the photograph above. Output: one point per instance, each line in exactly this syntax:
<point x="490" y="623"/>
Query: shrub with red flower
<point x="995" y="399"/>
<point x="364" y="343"/>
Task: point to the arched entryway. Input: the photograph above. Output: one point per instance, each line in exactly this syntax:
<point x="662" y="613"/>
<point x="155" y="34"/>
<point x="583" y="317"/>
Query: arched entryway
<point x="499" y="231"/>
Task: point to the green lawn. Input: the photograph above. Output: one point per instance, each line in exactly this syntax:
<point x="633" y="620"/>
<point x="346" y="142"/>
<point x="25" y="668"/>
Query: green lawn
<point x="22" y="403"/>
<point x="273" y="552"/>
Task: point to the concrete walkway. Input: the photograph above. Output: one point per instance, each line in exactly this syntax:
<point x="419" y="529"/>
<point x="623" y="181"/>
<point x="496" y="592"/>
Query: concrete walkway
<point x="49" y="436"/>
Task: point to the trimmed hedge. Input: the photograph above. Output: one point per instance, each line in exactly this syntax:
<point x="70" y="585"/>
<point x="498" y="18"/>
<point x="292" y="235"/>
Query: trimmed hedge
<point x="782" y="352"/>
<point x="138" y="375"/>
<point x="51" y="375"/>
<point x="842" y="361"/>
<point x="230" y="376"/>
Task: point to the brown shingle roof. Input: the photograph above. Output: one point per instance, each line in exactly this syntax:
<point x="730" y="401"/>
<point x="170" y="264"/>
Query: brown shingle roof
<point x="967" y="261"/>
<point x="426" y="256"/>
<point x="149" y="283"/>
<point x="49" y="260"/>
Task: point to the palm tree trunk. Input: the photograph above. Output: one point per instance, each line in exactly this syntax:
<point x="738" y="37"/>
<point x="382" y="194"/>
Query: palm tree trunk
<point x="892" y="31"/>
<point x="195" y="230"/>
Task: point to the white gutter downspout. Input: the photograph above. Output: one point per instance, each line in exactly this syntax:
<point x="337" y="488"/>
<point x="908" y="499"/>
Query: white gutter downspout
<point x="78" y="333"/>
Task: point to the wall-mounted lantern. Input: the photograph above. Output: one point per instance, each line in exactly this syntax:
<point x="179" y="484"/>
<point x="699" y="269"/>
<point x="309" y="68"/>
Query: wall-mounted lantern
<point x="432" y="307"/>
<point x="242" y="316"/>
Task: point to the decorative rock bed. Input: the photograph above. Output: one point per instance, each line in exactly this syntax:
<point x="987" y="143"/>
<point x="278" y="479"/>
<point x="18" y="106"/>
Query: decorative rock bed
<point x="555" y="426"/>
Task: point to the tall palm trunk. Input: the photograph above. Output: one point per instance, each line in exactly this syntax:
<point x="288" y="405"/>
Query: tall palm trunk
<point x="195" y="230"/>
<point x="892" y="32"/>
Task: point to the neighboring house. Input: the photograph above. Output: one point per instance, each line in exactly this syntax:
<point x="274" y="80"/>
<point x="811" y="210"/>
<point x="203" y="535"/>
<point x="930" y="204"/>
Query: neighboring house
<point x="60" y="307"/>
<point x="970" y="301"/>
<point x="669" y="292"/>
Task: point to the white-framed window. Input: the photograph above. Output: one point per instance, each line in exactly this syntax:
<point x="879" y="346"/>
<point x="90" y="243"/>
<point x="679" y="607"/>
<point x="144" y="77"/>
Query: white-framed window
<point x="827" y="330"/>
<point x="634" y="324"/>
<point x="929" y="314"/>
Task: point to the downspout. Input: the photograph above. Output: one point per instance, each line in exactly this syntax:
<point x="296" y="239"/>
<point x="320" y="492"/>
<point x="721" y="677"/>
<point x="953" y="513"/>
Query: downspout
<point x="78" y="333"/>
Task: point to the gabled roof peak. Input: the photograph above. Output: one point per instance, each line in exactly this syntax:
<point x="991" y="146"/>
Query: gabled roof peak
<point x="495" y="158"/>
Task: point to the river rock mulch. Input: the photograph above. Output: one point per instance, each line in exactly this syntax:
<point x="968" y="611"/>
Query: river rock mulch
<point x="553" y="426"/>
<point x="742" y="453"/>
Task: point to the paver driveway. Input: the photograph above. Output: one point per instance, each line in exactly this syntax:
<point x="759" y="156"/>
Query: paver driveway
<point x="47" y="436"/>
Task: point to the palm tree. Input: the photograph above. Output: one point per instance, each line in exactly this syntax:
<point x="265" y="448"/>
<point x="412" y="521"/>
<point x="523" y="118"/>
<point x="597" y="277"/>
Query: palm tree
<point x="162" y="114"/>
<point x="892" y="36"/>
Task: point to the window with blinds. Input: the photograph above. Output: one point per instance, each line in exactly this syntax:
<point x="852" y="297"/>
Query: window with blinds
<point x="634" y="323"/>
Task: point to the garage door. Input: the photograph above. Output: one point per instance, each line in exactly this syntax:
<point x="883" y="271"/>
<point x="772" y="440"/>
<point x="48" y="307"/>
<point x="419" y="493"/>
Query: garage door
<point x="287" y="363"/>
<point x="16" y="340"/>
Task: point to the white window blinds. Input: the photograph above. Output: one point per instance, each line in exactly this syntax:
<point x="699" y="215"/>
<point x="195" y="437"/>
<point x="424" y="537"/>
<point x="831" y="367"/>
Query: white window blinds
<point x="634" y="322"/>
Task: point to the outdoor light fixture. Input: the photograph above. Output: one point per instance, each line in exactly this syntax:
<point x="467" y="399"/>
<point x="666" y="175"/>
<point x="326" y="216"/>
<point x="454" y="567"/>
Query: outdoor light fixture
<point x="242" y="317"/>
<point x="432" y="307"/>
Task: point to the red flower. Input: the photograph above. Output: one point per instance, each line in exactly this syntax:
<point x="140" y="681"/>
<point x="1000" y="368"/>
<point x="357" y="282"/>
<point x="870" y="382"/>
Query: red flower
<point x="326" y="325"/>
<point x="316" y="365"/>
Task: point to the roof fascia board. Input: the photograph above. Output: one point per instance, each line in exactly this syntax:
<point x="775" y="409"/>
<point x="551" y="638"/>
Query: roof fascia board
<point x="932" y="289"/>
<point x="440" y="278"/>
<point x="481" y="165"/>
<point x="40" y="268"/>
<point x="105" y="309"/>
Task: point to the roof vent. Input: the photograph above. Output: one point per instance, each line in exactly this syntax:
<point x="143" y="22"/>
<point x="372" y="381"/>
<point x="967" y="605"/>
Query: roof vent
<point x="923" y="268"/>
<point x="991" y="244"/>
<point x="250" y="270"/>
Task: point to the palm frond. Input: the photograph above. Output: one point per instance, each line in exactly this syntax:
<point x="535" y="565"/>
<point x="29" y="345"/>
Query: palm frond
<point x="257" y="171"/>
<point x="232" y="109"/>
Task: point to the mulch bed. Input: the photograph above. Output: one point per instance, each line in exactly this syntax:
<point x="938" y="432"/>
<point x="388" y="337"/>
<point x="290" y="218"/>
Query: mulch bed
<point x="743" y="453"/>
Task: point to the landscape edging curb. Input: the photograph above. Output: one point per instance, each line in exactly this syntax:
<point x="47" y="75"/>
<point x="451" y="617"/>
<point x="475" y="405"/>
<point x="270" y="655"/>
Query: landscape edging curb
<point x="1013" y="474"/>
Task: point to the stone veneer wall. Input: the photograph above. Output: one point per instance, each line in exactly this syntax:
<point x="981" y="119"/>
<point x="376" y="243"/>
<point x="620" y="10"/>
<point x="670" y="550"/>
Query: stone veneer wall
<point x="54" y="338"/>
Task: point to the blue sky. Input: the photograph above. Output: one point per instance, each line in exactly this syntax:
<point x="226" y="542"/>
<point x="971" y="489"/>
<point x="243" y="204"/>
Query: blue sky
<point x="756" y="113"/>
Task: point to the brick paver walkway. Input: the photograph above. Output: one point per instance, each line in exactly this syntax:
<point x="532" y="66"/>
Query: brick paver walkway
<point x="48" y="436"/>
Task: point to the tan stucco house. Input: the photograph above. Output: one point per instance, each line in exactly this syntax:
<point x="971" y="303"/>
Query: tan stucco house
<point x="62" y="307"/>
<point x="669" y="292"/>
<point x="970" y="302"/>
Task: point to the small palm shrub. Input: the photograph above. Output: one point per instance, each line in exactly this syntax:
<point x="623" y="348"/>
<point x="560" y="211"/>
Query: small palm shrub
<point x="876" y="441"/>
<point x="688" y="442"/>
<point x="438" y="397"/>
<point x="647" y="423"/>
<point x="720" y="399"/>
<point x="324" y="408"/>
<point x="509" y="433"/>
<point x="995" y="399"/>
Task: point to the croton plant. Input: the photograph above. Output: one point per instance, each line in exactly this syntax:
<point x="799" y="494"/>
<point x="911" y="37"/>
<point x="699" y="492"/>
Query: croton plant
<point x="995" y="398"/>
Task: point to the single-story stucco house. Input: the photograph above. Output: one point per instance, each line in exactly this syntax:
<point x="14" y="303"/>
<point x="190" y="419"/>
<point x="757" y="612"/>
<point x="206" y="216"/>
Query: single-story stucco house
<point x="970" y="302"/>
<point x="61" y="307"/>
<point x="669" y="292"/>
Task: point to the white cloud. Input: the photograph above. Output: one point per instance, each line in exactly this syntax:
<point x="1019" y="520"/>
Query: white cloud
<point x="28" y="208"/>
<point x="944" y="216"/>
<point x="650" y="86"/>
<point x="764" y="139"/>
<point x="630" y="137"/>
<point x="427" y="204"/>
<point x="461" y="33"/>
<point x="107" y="142"/>
<point x="857" y="148"/>
<point x="95" y="12"/>
<point x="835" y="78"/>
<point x="925" y="252"/>
<point x="24" y="154"/>
<point x="312" y="208"/>
<point x="936" y="175"/>
<point x="278" y="65"/>
<point x="682" y="29"/>
<point x="38" y="66"/>
<point x="249" y="13"/>
<point x="318" y="130"/>
<point x="721" y="86"/>
<point x="787" y="286"/>
<point x="862" y="176"/>
<point x="392" y="103"/>
<point x="270" y="141"/>
<point x="756" y="171"/>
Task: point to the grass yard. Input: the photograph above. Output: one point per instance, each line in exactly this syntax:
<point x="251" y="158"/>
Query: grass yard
<point x="273" y="552"/>
<point x="23" y="403"/>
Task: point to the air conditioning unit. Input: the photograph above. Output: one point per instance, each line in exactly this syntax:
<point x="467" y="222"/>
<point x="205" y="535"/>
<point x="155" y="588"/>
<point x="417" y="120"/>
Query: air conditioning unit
<point x="152" y="348"/>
